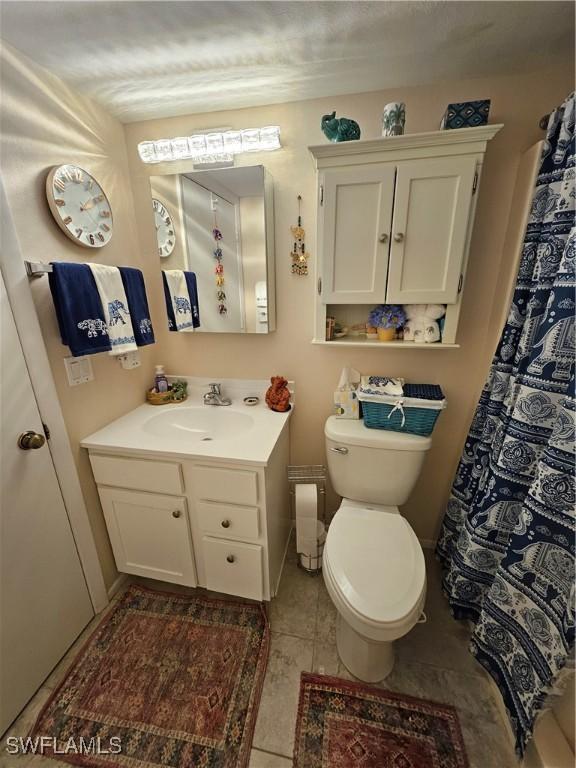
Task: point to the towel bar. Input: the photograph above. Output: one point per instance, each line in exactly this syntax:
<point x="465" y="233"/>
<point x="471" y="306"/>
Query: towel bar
<point x="37" y="268"/>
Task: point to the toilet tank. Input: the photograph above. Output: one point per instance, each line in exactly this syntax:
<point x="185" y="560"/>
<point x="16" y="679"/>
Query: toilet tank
<point x="375" y="466"/>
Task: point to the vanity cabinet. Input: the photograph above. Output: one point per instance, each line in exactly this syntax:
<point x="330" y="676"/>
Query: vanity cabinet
<point x="395" y="219"/>
<point x="198" y="521"/>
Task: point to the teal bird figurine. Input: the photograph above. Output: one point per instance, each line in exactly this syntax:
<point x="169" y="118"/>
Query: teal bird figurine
<point x="339" y="128"/>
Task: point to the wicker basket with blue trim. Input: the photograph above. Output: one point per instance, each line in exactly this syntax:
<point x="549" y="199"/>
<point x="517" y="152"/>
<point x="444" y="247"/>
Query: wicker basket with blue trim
<point x="415" y="411"/>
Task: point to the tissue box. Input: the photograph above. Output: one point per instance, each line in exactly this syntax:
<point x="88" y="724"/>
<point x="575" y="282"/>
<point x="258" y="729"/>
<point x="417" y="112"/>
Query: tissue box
<point x="466" y="114"/>
<point x="346" y="405"/>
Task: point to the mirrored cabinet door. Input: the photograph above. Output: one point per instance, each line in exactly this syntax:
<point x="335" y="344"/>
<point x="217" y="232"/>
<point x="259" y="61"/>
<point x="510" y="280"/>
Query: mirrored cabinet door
<point x="218" y="224"/>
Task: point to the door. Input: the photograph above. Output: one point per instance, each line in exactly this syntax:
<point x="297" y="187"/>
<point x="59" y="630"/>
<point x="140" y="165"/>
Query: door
<point x="44" y="600"/>
<point x="150" y="535"/>
<point x="430" y="228"/>
<point x="356" y="213"/>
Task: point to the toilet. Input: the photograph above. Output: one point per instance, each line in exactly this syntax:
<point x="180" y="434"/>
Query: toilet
<point x="373" y="564"/>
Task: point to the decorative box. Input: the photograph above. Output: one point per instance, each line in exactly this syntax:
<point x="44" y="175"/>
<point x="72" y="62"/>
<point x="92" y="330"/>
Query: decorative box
<point x="467" y="114"/>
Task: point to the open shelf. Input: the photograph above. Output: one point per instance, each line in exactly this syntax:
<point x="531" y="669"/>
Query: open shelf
<point x="358" y="341"/>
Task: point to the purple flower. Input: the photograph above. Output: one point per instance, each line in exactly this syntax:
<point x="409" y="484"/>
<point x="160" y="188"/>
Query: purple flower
<point x="387" y="316"/>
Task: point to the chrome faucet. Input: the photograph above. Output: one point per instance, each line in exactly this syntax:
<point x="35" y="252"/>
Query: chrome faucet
<point x="214" y="397"/>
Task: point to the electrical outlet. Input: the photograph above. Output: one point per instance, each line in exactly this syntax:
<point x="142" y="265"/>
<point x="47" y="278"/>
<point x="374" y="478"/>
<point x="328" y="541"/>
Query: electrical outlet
<point x="130" y="360"/>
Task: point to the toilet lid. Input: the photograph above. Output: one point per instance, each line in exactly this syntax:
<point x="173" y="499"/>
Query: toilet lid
<point x="377" y="562"/>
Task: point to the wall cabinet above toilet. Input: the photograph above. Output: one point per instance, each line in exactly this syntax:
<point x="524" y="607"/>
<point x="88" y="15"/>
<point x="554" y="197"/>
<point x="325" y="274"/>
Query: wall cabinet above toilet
<point x="395" y="218"/>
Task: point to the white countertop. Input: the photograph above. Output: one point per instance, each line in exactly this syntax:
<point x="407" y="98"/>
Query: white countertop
<point x="253" y="445"/>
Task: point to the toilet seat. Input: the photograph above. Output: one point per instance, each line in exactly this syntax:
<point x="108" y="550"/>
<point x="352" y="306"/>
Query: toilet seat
<point x="374" y="570"/>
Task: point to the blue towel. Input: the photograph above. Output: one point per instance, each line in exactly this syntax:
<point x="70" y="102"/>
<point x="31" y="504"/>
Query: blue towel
<point x="78" y="308"/>
<point x="192" y="286"/>
<point x="133" y="282"/>
<point x="193" y="293"/>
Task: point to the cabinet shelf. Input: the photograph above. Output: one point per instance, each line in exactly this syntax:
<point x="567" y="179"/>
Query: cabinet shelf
<point x="360" y="342"/>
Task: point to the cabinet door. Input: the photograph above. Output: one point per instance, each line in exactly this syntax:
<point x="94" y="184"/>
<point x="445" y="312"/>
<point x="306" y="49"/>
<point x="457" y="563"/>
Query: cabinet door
<point x="356" y="214"/>
<point x="150" y="535"/>
<point x="430" y="228"/>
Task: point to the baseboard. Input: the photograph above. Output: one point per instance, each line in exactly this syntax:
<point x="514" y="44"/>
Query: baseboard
<point x="117" y="585"/>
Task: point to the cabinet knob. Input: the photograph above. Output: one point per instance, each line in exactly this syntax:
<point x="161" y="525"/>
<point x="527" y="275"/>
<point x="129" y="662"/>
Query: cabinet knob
<point x="176" y="513"/>
<point x="399" y="236"/>
<point x="383" y="237"/>
<point x="231" y="559"/>
<point x="225" y="523"/>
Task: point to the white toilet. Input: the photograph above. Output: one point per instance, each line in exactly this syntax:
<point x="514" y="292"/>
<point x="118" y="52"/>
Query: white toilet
<point x="373" y="563"/>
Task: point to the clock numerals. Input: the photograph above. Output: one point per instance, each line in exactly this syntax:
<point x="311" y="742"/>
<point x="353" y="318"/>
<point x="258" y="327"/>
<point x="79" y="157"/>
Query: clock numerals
<point x="60" y="184"/>
<point x="79" y="233"/>
<point x="98" y="199"/>
<point x="105" y="214"/>
<point x="67" y="220"/>
<point x="59" y="202"/>
<point x="105" y="227"/>
<point x="101" y="237"/>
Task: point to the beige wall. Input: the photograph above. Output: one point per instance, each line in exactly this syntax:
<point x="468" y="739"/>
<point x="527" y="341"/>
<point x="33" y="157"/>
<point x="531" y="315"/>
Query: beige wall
<point x="518" y="102"/>
<point x="44" y="124"/>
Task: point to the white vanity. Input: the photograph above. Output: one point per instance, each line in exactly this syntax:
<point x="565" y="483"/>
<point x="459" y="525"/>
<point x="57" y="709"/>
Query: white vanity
<point x="196" y="494"/>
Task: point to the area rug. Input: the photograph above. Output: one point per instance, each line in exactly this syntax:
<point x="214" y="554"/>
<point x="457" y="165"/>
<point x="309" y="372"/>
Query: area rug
<point x="165" y="680"/>
<point x="351" y="725"/>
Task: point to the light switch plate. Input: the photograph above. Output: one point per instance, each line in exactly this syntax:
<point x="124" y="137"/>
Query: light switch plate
<point x="130" y="360"/>
<point x="78" y="370"/>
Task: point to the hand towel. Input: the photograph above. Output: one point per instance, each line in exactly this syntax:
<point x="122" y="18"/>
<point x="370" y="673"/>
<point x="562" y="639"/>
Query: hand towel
<point x="177" y="295"/>
<point x="78" y="308"/>
<point x="379" y="388"/>
<point x="192" y="285"/>
<point x="169" y="307"/>
<point x="133" y="281"/>
<point x="115" y="303"/>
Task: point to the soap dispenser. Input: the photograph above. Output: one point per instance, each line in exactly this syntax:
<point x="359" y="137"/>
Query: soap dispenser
<point x="160" y="380"/>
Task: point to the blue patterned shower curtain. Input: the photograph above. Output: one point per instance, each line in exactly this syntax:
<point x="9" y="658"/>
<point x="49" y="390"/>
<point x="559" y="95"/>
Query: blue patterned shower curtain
<point x="507" y="541"/>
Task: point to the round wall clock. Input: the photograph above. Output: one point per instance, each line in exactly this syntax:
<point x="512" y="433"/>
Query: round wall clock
<point x="79" y="205"/>
<point x="165" y="234"/>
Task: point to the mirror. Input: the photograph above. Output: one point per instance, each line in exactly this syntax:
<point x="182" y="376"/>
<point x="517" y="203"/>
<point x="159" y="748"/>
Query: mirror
<point x="234" y="273"/>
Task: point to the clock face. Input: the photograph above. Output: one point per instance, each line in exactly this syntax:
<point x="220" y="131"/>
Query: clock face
<point x="79" y="205"/>
<point x="165" y="234"/>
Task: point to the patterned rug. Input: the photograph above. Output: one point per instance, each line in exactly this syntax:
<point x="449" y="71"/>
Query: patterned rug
<point x="352" y="725"/>
<point x="166" y="680"/>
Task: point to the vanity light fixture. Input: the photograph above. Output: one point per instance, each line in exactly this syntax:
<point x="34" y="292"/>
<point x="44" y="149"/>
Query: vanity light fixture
<point x="211" y="147"/>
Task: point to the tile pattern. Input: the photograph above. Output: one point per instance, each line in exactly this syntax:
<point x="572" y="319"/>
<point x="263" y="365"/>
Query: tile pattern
<point x="431" y="662"/>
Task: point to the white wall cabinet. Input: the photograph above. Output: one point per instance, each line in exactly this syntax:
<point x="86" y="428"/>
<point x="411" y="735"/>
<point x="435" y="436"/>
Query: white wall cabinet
<point x="219" y="525"/>
<point x="357" y="216"/>
<point x="395" y="219"/>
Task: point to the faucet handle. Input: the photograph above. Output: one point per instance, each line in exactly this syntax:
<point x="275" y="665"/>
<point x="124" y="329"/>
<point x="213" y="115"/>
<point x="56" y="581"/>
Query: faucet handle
<point x="214" y="388"/>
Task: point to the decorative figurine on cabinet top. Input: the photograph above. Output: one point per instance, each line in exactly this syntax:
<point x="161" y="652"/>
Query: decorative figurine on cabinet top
<point x="339" y="128"/>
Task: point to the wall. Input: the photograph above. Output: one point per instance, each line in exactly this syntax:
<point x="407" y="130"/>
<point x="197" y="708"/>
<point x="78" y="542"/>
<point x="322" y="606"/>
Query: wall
<point x="518" y="102"/>
<point x="44" y="123"/>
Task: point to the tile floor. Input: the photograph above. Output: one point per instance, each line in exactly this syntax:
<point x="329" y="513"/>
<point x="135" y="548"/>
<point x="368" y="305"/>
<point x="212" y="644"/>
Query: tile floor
<point x="432" y="662"/>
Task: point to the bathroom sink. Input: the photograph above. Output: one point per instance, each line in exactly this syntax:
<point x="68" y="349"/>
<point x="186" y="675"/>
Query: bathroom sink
<point x="199" y="423"/>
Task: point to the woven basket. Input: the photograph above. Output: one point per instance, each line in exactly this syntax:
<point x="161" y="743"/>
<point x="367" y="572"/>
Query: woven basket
<point x="415" y="412"/>
<point x="161" y="398"/>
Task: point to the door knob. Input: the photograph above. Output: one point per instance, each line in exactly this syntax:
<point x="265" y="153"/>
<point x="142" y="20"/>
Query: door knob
<point x="231" y="558"/>
<point x="399" y="236"/>
<point x="383" y="237"/>
<point x="176" y="513"/>
<point x="225" y="523"/>
<point x="31" y="440"/>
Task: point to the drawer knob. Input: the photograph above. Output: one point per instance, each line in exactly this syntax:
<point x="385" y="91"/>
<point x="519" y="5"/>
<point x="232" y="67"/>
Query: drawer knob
<point x="383" y="237"/>
<point x="231" y="559"/>
<point x="399" y="236"/>
<point x="225" y="523"/>
<point x="176" y="513"/>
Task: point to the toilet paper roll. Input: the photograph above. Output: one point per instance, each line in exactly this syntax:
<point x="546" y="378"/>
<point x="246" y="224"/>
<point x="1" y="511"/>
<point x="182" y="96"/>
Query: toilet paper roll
<point x="306" y="503"/>
<point x="313" y="545"/>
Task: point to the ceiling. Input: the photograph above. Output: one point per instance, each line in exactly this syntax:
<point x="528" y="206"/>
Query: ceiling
<point x="143" y="60"/>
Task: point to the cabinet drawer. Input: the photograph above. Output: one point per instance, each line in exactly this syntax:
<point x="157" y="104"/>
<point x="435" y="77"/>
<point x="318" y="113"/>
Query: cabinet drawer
<point x="140" y="474"/>
<point x="228" y="520"/>
<point x="233" y="567"/>
<point x="235" y="486"/>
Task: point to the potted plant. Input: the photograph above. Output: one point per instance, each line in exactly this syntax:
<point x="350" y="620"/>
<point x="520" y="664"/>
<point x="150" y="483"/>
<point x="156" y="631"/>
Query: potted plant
<point x="387" y="318"/>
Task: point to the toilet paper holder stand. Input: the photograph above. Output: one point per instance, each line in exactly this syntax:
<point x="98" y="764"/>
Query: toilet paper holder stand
<point x="313" y="474"/>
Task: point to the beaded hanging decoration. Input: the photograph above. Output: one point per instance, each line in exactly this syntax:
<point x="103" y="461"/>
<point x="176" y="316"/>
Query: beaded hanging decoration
<point x="219" y="269"/>
<point x="298" y="254"/>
